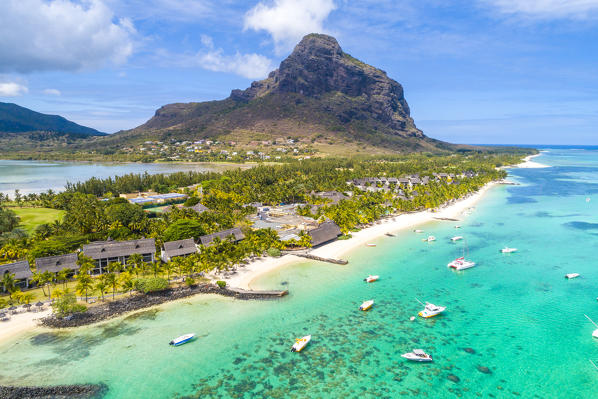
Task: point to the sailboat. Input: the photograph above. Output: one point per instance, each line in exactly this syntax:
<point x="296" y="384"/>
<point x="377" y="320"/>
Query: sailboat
<point x="595" y="332"/>
<point x="461" y="263"/>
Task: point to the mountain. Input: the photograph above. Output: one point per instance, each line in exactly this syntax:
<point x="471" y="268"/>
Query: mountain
<point x="319" y="94"/>
<point x="17" y="119"/>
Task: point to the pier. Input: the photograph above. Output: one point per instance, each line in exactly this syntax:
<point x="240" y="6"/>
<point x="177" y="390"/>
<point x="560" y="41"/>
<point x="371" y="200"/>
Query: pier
<point x="258" y="294"/>
<point x="319" y="258"/>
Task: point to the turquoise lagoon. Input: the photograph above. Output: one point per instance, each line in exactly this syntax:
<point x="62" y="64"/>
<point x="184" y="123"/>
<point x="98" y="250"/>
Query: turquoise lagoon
<point x="514" y="327"/>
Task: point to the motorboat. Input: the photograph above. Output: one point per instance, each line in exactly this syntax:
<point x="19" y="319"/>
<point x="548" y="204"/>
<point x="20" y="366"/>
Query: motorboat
<point x="431" y="310"/>
<point x="183" y="339"/>
<point x="507" y="250"/>
<point x="461" y="264"/>
<point x="367" y="305"/>
<point x="418" y="231"/>
<point x="457" y="226"/>
<point x="418" y="355"/>
<point x="300" y="343"/>
<point x="371" y="279"/>
<point x="389" y="235"/>
<point x="370" y="245"/>
<point x="571" y="275"/>
<point x="456" y="238"/>
<point x="429" y="239"/>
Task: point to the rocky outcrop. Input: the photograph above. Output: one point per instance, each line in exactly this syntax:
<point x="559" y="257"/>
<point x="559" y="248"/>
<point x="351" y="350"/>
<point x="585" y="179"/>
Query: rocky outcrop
<point x="54" y="392"/>
<point x="132" y="303"/>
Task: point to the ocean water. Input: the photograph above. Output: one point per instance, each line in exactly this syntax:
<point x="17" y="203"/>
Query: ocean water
<point x="40" y="176"/>
<point x="514" y="326"/>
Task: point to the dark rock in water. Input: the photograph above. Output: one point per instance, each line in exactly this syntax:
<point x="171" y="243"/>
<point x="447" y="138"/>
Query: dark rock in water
<point x="238" y="360"/>
<point x="453" y="378"/>
<point x="284" y="283"/>
<point x="55" y="392"/>
<point x="483" y="369"/>
<point x="469" y="350"/>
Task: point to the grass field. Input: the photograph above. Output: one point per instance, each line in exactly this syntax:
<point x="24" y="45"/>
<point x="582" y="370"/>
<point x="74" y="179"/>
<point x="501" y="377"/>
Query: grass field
<point x="33" y="217"/>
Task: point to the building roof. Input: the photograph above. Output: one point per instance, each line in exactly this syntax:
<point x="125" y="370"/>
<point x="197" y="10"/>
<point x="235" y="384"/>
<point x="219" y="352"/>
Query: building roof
<point x="111" y="249"/>
<point x="236" y="232"/>
<point x="20" y="269"/>
<point x="333" y="196"/>
<point x="180" y="247"/>
<point x="54" y="264"/>
<point x="199" y="208"/>
<point x="325" y="232"/>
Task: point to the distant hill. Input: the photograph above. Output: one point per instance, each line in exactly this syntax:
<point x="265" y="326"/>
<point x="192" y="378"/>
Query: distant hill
<point x="15" y="119"/>
<point x="318" y="94"/>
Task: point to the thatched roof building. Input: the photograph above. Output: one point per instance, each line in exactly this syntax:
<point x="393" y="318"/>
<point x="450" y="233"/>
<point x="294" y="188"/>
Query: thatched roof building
<point x="235" y="232"/>
<point x="324" y="233"/>
<point x="54" y="264"/>
<point x="20" y="269"/>
<point x="173" y="249"/>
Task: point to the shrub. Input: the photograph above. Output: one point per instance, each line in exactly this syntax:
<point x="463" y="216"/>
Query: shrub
<point x="190" y="281"/>
<point x="191" y="201"/>
<point x="273" y="252"/>
<point x="221" y="283"/>
<point x="151" y="284"/>
<point x="344" y="237"/>
<point x="67" y="304"/>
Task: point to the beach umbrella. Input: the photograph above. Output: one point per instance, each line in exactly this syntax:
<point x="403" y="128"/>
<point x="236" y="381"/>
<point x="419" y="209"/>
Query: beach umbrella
<point x="12" y="308"/>
<point x="39" y="304"/>
<point x="27" y="305"/>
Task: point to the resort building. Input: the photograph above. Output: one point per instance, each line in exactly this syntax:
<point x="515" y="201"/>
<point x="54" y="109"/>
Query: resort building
<point x="326" y="232"/>
<point x="105" y="252"/>
<point x="22" y="272"/>
<point x="236" y="233"/>
<point x="55" y="264"/>
<point x="172" y="249"/>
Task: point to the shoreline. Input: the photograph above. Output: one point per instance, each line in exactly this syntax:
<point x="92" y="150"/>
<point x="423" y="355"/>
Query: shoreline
<point x="529" y="164"/>
<point x="246" y="276"/>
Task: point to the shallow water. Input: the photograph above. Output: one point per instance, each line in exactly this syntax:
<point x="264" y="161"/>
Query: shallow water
<point x="514" y="327"/>
<point x="40" y="176"/>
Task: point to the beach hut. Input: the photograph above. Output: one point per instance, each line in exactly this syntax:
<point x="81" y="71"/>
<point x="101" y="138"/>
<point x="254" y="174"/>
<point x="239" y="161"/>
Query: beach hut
<point x="105" y="252"/>
<point x="172" y="249"/>
<point x="325" y="232"/>
<point x="22" y="272"/>
<point x="236" y="234"/>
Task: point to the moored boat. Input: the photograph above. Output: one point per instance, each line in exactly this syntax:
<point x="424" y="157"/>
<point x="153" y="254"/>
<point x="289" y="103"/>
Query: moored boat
<point x="431" y="310"/>
<point x="417" y="355"/>
<point x="595" y="332"/>
<point x="507" y="250"/>
<point x="183" y="339"/>
<point x="461" y="264"/>
<point x="367" y="305"/>
<point x="371" y="279"/>
<point x="370" y="245"/>
<point x="429" y="239"/>
<point x="457" y="226"/>
<point x="300" y="343"/>
<point x="389" y="235"/>
<point x="456" y="238"/>
<point x="418" y="231"/>
<point x="571" y="275"/>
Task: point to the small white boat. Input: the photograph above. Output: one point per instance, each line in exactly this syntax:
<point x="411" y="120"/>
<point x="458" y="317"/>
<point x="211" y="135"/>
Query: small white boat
<point x="571" y="275"/>
<point x="429" y="239"/>
<point x="431" y="310"/>
<point x="457" y="226"/>
<point x="507" y="250"/>
<point x="370" y="245"/>
<point x="183" y="339"/>
<point x="300" y="343"/>
<point x="456" y="238"/>
<point x="417" y="355"/>
<point x="367" y="305"/>
<point x="595" y="332"/>
<point x="371" y="279"/>
<point x="418" y="231"/>
<point x="461" y="264"/>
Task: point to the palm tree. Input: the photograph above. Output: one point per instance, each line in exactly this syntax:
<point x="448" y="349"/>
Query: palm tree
<point x="27" y="297"/>
<point x="155" y="267"/>
<point x="101" y="285"/>
<point x="126" y="282"/>
<point x="63" y="276"/>
<point x="168" y="267"/>
<point x="111" y="279"/>
<point x="115" y="267"/>
<point x="84" y="284"/>
<point x="86" y="264"/>
<point x="135" y="260"/>
<point x="9" y="283"/>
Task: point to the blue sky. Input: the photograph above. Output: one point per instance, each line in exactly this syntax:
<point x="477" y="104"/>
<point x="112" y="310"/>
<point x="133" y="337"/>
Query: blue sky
<point x="478" y="71"/>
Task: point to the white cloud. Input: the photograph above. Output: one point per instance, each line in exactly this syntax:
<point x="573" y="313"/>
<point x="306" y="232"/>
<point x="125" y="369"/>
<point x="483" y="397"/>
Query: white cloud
<point x="287" y="21"/>
<point x="12" y="89"/>
<point x="252" y="66"/>
<point x="61" y="35"/>
<point x="52" y="92"/>
<point x="547" y="9"/>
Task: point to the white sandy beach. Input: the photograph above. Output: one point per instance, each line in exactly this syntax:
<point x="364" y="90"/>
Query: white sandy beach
<point x="246" y="275"/>
<point x="528" y="163"/>
<point x="21" y="322"/>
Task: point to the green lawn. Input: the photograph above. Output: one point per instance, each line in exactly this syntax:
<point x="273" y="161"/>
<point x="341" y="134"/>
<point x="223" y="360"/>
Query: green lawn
<point x="33" y="217"/>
